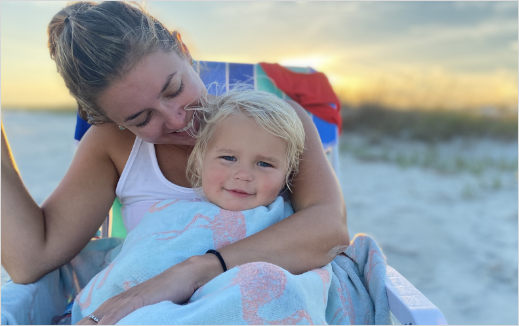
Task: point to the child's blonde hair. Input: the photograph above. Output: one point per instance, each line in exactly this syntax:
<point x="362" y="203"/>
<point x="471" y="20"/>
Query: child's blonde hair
<point x="271" y="113"/>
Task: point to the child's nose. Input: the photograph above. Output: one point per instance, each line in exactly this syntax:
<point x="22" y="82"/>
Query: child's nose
<point x="243" y="175"/>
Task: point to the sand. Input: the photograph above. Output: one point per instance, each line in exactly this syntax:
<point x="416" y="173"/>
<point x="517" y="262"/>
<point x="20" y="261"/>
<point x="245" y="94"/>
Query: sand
<point x="444" y="215"/>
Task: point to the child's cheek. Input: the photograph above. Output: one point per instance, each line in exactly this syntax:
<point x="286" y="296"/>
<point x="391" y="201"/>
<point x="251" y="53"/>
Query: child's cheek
<point x="213" y="180"/>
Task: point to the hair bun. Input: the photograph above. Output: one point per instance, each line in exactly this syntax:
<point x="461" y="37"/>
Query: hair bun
<point x="60" y="20"/>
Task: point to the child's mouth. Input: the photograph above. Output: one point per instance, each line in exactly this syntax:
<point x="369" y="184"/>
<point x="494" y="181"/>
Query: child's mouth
<point x="238" y="193"/>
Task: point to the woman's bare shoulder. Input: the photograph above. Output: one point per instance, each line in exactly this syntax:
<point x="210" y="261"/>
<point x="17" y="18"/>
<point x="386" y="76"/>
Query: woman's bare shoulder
<point x="115" y="143"/>
<point x="297" y="107"/>
<point x="303" y="115"/>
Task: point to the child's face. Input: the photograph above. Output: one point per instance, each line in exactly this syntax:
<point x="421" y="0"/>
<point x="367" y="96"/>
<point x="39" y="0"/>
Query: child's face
<point x="244" y="166"/>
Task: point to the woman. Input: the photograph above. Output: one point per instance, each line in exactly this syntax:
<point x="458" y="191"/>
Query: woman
<point x="134" y="82"/>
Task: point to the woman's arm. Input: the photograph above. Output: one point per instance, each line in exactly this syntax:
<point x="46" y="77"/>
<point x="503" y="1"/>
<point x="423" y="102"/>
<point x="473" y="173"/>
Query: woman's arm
<point x="317" y="232"/>
<point x="36" y="240"/>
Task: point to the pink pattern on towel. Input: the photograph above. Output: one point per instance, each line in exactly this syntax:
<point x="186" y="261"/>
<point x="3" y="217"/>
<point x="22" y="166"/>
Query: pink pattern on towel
<point x="227" y="227"/>
<point x="128" y="284"/>
<point x="85" y="304"/>
<point x="260" y="283"/>
<point x="106" y="275"/>
<point x="325" y="277"/>
<point x="347" y="308"/>
<point x="358" y="242"/>
<point x="154" y="207"/>
<point x="372" y="262"/>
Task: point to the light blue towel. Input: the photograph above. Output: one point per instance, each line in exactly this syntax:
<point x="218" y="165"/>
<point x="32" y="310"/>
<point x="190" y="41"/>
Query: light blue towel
<point x="349" y="290"/>
<point x="357" y="294"/>
<point x="254" y="293"/>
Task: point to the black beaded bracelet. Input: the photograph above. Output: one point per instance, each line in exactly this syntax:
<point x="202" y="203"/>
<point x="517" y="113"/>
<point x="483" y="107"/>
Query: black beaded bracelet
<point x="212" y="251"/>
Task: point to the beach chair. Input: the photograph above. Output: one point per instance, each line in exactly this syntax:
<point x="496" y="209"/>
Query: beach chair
<point x="39" y="302"/>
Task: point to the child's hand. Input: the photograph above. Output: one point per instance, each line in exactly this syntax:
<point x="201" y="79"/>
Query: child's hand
<point x="176" y="284"/>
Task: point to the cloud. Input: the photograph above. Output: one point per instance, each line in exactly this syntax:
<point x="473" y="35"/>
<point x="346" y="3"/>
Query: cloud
<point x="439" y="33"/>
<point x="415" y="49"/>
<point x="505" y="6"/>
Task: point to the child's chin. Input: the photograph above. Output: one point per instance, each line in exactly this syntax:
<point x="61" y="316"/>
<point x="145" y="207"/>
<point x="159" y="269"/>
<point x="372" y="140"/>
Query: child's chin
<point x="236" y="208"/>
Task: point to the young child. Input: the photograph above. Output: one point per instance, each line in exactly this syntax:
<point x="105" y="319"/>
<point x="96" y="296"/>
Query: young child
<point x="247" y="150"/>
<point x="246" y="135"/>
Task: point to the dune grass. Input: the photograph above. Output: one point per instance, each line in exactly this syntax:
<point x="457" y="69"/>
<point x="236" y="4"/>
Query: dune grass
<point x="417" y="138"/>
<point x="430" y="156"/>
<point x="429" y="126"/>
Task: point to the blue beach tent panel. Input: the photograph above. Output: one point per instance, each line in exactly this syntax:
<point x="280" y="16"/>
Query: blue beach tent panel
<point x="214" y="76"/>
<point x="81" y="127"/>
<point x="327" y="131"/>
<point x="240" y="73"/>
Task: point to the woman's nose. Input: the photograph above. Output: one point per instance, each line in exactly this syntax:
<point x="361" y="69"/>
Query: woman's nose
<point x="174" y="117"/>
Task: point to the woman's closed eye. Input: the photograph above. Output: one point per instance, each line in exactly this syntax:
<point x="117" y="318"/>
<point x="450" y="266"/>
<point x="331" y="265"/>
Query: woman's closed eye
<point x="179" y="90"/>
<point x="177" y="93"/>
<point x="264" y="164"/>
<point x="145" y="122"/>
<point x="228" y="158"/>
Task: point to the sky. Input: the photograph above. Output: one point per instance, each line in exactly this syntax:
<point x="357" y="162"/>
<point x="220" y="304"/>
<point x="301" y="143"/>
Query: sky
<point x="409" y="55"/>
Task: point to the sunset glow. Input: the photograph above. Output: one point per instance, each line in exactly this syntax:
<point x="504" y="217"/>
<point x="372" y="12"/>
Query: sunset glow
<point x="420" y="55"/>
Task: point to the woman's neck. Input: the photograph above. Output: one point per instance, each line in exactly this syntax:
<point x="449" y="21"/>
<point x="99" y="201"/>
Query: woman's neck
<point x="185" y="148"/>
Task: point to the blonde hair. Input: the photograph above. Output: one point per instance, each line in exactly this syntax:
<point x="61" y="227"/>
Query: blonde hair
<point x="94" y="44"/>
<point x="271" y="113"/>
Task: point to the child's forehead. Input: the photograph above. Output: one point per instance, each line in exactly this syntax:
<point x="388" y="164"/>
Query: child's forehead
<point x="242" y="132"/>
<point x="241" y="126"/>
<point x="234" y="125"/>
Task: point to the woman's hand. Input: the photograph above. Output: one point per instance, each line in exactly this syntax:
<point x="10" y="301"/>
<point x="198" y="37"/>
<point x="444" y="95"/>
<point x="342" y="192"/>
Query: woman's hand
<point x="176" y="284"/>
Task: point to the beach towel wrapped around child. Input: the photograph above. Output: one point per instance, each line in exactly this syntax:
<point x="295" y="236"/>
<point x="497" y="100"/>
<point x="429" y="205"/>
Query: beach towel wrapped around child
<point x="254" y="293"/>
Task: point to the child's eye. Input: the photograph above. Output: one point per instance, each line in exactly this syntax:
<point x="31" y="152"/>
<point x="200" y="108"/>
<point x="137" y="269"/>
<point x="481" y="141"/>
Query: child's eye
<point x="264" y="164"/>
<point x="229" y="158"/>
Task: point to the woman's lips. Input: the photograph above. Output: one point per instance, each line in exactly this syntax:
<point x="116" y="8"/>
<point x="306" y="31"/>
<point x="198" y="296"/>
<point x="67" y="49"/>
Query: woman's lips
<point x="189" y="125"/>
<point x="238" y="193"/>
<point x="184" y="134"/>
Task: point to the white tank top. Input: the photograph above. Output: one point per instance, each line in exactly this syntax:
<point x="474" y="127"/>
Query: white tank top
<point x="142" y="184"/>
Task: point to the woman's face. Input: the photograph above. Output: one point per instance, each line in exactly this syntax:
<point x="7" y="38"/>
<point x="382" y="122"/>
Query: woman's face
<point x="151" y="99"/>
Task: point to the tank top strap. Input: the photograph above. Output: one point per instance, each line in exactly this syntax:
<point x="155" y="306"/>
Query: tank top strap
<point x="142" y="184"/>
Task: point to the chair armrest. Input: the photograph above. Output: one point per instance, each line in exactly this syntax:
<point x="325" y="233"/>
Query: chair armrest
<point x="408" y="304"/>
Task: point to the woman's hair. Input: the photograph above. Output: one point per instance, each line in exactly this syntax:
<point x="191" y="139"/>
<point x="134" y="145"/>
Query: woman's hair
<point x="271" y="113"/>
<point x="94" y="44"/>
